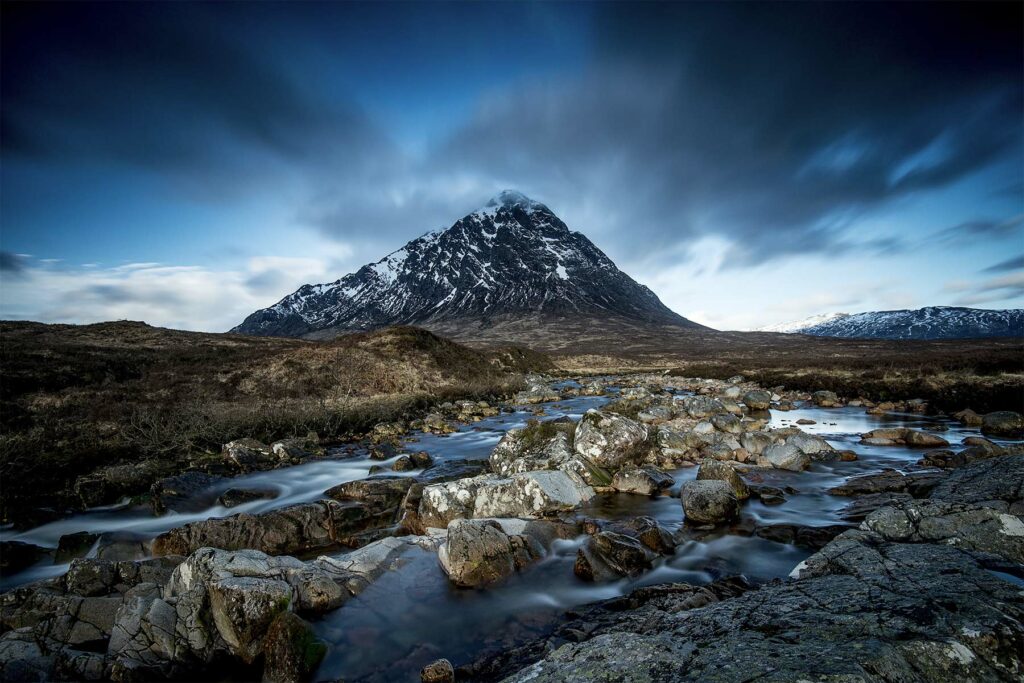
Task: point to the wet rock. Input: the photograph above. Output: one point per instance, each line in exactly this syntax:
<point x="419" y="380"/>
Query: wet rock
<point x="234" y="497"/>
<point x="609" y="440"/>
<point x="769" y="495"/>
<point x="997" y="483"/>
<point x="479" y="553"/>
<point x="965" y="526"/>
<point x="544" y="446"/>
<point x="968" y="418"/>
<point x="297" y="450"/>
<point x="757" y="399"/>
<point x="292" y="650"/>
<point x="863" y="505"/>
<point x="449" y="470"/>
<point x="805" y="421"/>
<point x="646" y="481"/>
<point x="862" y="609"/>
<point x="714" y="469"/>
<point x="74" y="545"/>
<point x="179" y="492"/>
<point x="1003" y="423"/>
<point x="243" y="609"/>
<point x="110" y="484"/>
<point x="18" y="555"/>
<point x="289" y="530"/>
<point x="904" y="436"/>
<point x="813" y="537"/>
<point x="388" y="432"/>
<point x="249" y="455"/>
<point x="609" y="555"/>
<point x="710" y="501"/>
<point x="529" y="494"/>
<point x="21" y="658"/>
<point x="826" y="399"/>
<point x="439" y="671"/>
<point x="786" y="456"/>
<point x="917" y="484"/>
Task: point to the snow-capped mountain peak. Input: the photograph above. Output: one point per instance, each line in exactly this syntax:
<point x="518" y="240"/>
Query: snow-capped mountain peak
<point x="513" y="256"/>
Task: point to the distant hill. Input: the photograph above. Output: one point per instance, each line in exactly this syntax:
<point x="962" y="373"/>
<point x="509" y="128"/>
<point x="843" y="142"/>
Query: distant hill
<point x="931" y="322"/>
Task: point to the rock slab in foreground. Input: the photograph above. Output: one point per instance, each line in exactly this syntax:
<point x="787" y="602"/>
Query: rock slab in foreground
<point x="863" y="609"/>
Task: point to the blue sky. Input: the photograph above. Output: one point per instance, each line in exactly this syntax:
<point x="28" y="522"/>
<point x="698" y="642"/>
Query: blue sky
<point x="185" y="164"/>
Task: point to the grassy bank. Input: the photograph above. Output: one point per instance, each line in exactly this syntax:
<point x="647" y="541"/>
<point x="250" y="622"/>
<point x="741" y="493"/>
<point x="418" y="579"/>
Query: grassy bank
<point x="77" y="398"/>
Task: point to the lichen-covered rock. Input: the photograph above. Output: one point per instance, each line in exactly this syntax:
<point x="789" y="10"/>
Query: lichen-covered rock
<point x="997" y="483"/>
<point x="520" y="450"/>
<point x="438" y="671"/>
<point x="243" y="609"/>
<point x="531" y="494"/>
<point x="826" y="399"/>
<point x="758" y="399"/>
<point x="701" y="406"/>
<point x="786" y="456"/>
<point x="714" y="469"/>
<point x="479" y="553"/>
<point x="646" y="481"/>
<point x="710" y="501"/>
<point x="609" y="440"/>
<point x="249" y="455"/>
<point x="608" y="555"/>
<point x="972" y="527"/>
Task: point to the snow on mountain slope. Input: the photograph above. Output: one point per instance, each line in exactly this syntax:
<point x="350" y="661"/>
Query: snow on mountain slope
<point x="799" y="325"/>
<point x="513" y="256"/>
<point x="932" y="322"/>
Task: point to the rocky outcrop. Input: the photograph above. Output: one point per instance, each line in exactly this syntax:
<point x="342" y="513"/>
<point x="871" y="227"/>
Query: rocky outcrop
<point x="917" y="483"/>
<point x="546" y="446"/>
<point x="479" y="552"/>
<point x="609" y="440"/>
<point x="997" y="483"/>
<point x="862" y="609"/>
<point x="530" y="494"/>
<point x="757" y="399"/>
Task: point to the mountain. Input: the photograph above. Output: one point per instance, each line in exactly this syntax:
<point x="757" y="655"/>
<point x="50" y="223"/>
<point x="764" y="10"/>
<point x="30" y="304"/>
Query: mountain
<point x="510" y="259"/>
<point x="800" y="325"/>
<point x="932" y="322"/>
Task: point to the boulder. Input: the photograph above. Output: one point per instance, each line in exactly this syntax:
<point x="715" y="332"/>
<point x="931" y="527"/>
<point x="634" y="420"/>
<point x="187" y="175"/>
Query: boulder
<point x="716" y="470"/>
<point x="438" y="671"/>
<point x="249" y="455"/>
<point x="646" y="481"/>
<point x="544" y="446"/>
<point x="234" y="497"/>
<point x="479" y="553"/>
<point x="699" y="407"/>
<point x="904" y="436"/>
<point x="1003" y="423"/>
<point x="968" y="418"/>
<point x="786" y="456"/>
<point x="243" y="609"/>
<point x="608" y="555"/>
<point x="826" y="399"/>
<point x="109" y="484"/>
<point x="709" y="501"/>
<point x="917" y="483"/>
<point x="758" y="399"/>
<point x="609" y="440"/>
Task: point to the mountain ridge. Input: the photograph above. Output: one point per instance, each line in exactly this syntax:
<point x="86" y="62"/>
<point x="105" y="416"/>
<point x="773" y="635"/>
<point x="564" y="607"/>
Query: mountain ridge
<point x="511" y="256"/>
<point x="929" y="322"/>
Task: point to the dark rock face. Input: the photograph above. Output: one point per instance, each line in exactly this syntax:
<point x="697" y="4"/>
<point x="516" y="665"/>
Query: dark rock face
<point x="175" y="493"/>
<point x="512" y="256"/>
<point x="997" y="483"/>
<point x="863" y="609"/>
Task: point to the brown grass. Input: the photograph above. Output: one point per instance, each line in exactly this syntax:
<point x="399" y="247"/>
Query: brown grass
<point x="76" y="398"/>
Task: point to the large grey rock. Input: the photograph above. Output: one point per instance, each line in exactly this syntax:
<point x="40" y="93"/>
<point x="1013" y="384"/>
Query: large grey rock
<point x="701" y="406"/>
<point x="243" y="609"/>
<point x="609" y="440"/>
<point x="646" y="481"/>
<point x="863" y="609"/>
<point x="479" y="553"/>
<point x="520" y="451"/>
<point x="529" y="494"/>
<point x="786" y="456"/>
<point x="997" y="483"/>
<point x="714" y="469"/>
<point x="758" y="399"/>
<point x="710" y="501"/>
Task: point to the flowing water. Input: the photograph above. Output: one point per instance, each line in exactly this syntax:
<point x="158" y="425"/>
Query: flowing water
<point x="412" y="616"/>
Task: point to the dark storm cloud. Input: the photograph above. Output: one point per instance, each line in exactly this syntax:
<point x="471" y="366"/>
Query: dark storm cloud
<point x="12" y="264"/>
<point x="1015" y="263"/>
<point x="774" y="125"/>
<point x="168" y="87"/>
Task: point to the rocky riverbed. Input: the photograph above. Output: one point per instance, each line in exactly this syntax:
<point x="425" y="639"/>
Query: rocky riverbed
<point x="645" y="527"/>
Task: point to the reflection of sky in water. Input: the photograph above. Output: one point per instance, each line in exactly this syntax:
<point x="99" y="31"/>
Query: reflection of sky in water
<point x="412" y="616"/>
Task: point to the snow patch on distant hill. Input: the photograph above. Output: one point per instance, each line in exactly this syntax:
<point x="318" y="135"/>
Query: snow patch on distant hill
<point x="931" y="322"/>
